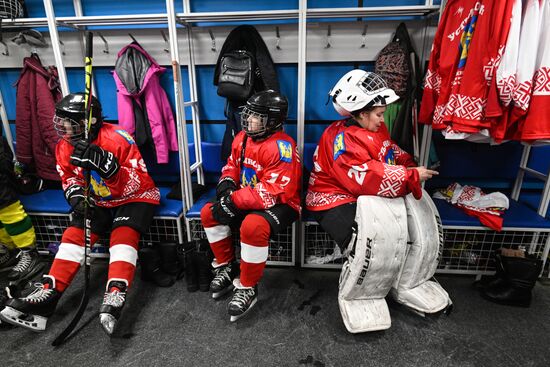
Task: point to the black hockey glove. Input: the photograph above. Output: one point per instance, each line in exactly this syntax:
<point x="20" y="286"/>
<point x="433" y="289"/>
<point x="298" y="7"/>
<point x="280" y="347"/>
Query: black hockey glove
<point x="90" y="156"/>
<point x="225" y="187"/>
<point x="75" y="196"/>
<point x="224" y="210"/>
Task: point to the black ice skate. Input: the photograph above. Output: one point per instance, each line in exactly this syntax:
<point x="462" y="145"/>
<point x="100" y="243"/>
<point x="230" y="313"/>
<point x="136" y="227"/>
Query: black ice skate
<point x="28" y="265"/>
<point x="111" y="308"/>
<point x="243" y="300"/>
<point x="223" y="278"/>
<point x="32" y="311"/>
<point x="7" y="259"/>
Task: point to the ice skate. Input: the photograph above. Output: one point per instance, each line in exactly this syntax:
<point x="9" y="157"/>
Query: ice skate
<point x="113" y="302"/>
<point x="243" y="300"/>
<point x="32" y="312"/>
<point x="28" y="265"/>
<point x="223" y="278"/>
<point x="7" y="259"/>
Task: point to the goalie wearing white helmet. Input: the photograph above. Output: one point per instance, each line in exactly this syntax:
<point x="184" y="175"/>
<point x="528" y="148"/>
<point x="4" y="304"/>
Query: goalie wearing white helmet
<point x="356" y="164"/>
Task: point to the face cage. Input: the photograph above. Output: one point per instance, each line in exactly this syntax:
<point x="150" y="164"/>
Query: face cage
<point x="247" y="119"/>
<point x="68" y="129"/>
<point x="372" y="84"/>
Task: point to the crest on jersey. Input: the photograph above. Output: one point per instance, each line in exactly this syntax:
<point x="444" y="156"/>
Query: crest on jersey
<point x="126" y="136"/>
<point x="248" y="177"/>
<point x="339" y="145"/>
<point x="390" y="157"/>
<point x="285" y="150"/>
<point x="99" y="187"/>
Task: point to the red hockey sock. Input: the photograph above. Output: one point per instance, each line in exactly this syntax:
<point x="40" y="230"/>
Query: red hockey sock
<point x="124" y="251"/>
<point x="219" y="236"/>
<point x="69" y="257"/>
<point x="255" y="232"/>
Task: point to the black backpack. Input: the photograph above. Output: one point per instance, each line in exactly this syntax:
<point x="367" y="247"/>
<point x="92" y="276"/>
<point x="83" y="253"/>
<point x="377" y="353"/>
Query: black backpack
<point x="236" y="75"/>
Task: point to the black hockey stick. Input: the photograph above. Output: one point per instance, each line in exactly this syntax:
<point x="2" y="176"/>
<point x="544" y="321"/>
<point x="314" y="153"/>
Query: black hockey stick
<point x="61" y="338"/>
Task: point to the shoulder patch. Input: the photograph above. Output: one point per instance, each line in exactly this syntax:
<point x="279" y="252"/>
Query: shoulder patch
<point x="126" y="136"/>
<point x="285" y="150"/>
<point x="339" y="145"/>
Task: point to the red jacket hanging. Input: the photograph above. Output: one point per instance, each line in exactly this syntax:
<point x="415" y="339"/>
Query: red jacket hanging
<point x="37" y="92"/>
<point x="271" y="172"/>
<point x="351" y="161"/>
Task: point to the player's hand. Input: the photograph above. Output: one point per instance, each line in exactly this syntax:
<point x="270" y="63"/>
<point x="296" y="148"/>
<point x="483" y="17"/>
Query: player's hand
<point x="224" y="210"/>
<point x="424" y="173"/>
<point x="90" y="156"/>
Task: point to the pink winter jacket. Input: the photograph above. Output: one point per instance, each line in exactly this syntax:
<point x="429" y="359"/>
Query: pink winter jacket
<point x="143" y="107"/>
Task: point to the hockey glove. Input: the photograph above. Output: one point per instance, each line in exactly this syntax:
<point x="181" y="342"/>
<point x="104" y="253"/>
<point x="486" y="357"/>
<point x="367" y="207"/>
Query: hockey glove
<point x="90" y="156"/>
<point x="75" y="196"/>
<point x="225" y="187"/>
<point x="224" y="210"/>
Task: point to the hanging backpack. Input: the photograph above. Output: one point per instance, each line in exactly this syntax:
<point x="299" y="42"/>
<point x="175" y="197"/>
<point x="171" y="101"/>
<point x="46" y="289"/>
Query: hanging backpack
<point x="236" y="75"/>
<point x="392" y="65"/>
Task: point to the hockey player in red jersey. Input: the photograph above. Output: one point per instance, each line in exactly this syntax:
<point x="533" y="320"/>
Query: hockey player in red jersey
<point x="122" y="199"/>
<point x="356" y="156"/>
<point x="259" y="191"/>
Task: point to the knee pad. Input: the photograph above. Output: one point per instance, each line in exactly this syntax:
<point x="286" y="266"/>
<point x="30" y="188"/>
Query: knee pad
<point x="414" y="287"/>
<point x="375" y="255"/>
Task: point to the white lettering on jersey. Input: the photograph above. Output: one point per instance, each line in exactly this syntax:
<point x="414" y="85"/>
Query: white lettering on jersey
<point x="358" y="173"/>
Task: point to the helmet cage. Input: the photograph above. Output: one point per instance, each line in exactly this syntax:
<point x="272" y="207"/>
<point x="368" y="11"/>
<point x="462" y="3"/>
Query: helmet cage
<point x="68" y="128"/>
<point x="254" y="123"/>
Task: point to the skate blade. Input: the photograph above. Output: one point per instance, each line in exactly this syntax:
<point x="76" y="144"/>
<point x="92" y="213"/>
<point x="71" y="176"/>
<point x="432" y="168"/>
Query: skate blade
<point x="222" y="293"/>
<point x="236" y="317"/>
<point x="108" y="322"/>
<point x="32" y="322"/>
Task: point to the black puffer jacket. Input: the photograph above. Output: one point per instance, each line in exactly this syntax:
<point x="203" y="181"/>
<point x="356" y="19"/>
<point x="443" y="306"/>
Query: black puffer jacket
<point x="246" y="37"/>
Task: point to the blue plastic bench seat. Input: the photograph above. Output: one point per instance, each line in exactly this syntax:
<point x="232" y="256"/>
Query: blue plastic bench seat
<point x="195" y="211"/>
<point x="168" y="207"/>
<point x="53" y="201"/>
<point x="518" y="215"/>
<point x="48" y="201"/>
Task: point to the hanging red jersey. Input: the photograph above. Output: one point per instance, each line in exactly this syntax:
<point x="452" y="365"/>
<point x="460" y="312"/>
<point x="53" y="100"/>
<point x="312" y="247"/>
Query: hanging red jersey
<point x="270" y="173"/>
<point x="444" y="59"/>
<point x="351" y="161"/>
<point x="130" y="184"/>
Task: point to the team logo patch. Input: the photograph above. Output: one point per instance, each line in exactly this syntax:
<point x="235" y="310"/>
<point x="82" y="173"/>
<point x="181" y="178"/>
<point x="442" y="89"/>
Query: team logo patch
<point x="339" y="145"/>
<point x="390" y="157"/>
<point x="126" y="136"/>
<point x="285" y="150"/>
<point x="248" y="177"/>
<point x="99" y="187"/>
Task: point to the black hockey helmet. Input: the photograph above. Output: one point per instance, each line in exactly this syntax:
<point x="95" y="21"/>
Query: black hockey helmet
<point x="69" y="119"/>
<point x="264" y="114"/>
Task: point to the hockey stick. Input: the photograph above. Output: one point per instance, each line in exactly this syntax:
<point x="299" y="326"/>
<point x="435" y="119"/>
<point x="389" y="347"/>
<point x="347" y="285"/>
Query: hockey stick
<point x="61" y="338"/>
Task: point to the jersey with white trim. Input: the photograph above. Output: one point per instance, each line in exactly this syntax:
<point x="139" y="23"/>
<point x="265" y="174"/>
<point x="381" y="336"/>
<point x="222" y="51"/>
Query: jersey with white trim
<point x="351" y="161"/>
<point x="270" y="173"/>
<point x="130" y="184"/>
<point x="444" y="61"/>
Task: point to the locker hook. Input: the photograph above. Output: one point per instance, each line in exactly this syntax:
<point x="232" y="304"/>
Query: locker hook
<point x="328" y="37"/>
<point x="213" y="47"/>
<point x="106" y="50"/>
<point x="278" y="38"/>
<point x="165" y="40"/>
<point x="364" y="35"/>
<point x="6" y="52"/>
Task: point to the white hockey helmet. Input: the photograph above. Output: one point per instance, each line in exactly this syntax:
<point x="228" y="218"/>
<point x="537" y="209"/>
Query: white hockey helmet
<point x="358" y="89"/>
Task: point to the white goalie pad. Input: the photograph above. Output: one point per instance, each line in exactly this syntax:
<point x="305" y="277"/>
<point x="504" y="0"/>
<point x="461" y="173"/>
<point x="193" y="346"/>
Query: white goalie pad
<point x="375" y="256"/>
<point x="413" y="287"/>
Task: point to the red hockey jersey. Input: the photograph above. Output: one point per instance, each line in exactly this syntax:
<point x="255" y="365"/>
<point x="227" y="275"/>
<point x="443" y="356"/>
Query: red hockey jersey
<point x="271" y="172"/>
<point x="351" y="161"/>
<point x="130" y="184"/>
<point x="446" y="54"/>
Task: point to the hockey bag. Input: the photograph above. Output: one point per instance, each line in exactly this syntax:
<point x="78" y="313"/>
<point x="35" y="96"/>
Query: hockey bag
<point x="375" y="254"/>
<point x="414" y="287"/>
<point x="236" y="75"/>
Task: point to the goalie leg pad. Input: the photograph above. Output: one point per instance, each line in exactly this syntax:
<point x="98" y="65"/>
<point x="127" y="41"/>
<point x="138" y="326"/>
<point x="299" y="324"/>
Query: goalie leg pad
<point x="413" y="288"/>
<point x="375" y="257"/>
